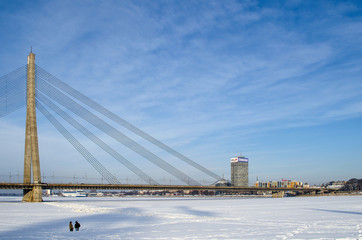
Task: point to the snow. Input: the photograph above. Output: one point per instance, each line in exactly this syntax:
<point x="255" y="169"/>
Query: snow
<point x="334" y="217"/>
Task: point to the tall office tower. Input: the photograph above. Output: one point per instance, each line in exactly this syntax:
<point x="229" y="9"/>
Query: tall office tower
<point x="239" y="171"/>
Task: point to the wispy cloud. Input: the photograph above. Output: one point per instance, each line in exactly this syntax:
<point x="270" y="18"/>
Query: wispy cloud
<point x="184" y="71"/>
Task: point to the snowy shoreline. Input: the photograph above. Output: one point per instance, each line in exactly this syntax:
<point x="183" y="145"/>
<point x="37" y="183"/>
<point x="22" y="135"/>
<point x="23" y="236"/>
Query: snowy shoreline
<point x="327" y="217"/>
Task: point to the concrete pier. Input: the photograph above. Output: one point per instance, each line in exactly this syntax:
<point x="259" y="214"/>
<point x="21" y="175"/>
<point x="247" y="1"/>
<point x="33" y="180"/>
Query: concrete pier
<point x="31" y="154"/>
<point x="278" y="194"/>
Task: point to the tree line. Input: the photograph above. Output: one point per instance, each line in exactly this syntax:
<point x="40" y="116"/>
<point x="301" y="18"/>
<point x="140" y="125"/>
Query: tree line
<point x="353" y="184"/>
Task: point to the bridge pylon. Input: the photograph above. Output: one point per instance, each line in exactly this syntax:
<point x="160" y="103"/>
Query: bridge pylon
<point x="31" y="154"/>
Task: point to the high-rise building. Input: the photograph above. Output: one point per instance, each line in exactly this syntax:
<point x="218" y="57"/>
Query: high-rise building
<point x="239" y="171"/>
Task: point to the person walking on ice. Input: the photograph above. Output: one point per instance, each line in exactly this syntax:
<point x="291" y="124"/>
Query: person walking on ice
<point x="77" y="226"/>
<point x="71" y="226"/>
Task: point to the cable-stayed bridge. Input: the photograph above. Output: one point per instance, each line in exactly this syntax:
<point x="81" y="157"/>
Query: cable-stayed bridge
<point x="34" y="87"/>
<point x="63" y="106"/>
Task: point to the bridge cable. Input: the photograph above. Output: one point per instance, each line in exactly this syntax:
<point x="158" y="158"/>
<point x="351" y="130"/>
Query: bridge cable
<point x="99" y="108"/>
<point x="77" y="109"/>
<point x="95" y="139"/>
<point x="114" y="133"/>
<point x="12" y="91"/>
<point x="13" y="82"/>
<point x="78" y="146"/>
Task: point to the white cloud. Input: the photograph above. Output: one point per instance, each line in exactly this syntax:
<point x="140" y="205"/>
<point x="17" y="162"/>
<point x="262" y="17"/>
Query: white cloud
<point x="188" y="70"/>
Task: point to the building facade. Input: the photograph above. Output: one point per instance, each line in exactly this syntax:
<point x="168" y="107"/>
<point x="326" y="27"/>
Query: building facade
<point x="281" y="184"/>
<point x="239" y="171"/>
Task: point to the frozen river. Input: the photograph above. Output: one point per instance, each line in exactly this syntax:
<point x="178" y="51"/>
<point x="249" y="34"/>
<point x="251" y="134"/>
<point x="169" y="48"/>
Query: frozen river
<point x="337" y="217"/>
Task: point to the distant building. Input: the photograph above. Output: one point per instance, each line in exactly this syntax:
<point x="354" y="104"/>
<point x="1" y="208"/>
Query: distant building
<point x="282" y="184"/>
<point x="239" y="171"/>
<point x="335" y="184"/>
<point x="222" y="183"/>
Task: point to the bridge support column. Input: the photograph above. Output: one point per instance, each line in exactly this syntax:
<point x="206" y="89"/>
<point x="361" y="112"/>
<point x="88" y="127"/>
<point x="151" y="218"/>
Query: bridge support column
<point x="33" y="195"/>
<point x="31" y="155"/>
<point x="279" y="194"/>
<point x="313" y="193"/>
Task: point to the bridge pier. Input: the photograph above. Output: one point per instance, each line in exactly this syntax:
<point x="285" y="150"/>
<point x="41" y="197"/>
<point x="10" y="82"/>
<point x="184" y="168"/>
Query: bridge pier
<point x="31" y="154"/>
<point x="278" y="194"/>
<point x="33" y="195"/>
<point x="313" y="193"/>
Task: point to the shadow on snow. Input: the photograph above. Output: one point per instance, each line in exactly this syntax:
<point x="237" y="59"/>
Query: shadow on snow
<point x="336" y="211"/>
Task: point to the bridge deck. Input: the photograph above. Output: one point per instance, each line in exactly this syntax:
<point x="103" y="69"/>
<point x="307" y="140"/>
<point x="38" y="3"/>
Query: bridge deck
<point x="148" y="187"/>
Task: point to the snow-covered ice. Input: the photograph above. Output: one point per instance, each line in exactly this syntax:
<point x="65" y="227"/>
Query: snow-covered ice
<point x="337" y="217"/>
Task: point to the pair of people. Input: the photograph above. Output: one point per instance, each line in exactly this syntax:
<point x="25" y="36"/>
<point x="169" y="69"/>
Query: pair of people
<point x="76" y="226"/>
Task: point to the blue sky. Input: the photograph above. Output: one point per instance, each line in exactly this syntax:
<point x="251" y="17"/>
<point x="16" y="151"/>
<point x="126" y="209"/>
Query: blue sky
<point x="279" y="81"/>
